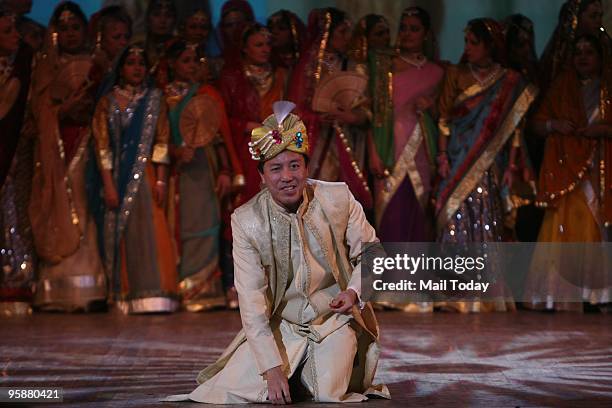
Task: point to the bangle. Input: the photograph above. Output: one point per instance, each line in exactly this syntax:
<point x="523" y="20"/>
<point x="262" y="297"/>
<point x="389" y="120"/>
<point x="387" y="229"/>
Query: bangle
<point x="441" y="152"/>
<point x="160" y="183"/>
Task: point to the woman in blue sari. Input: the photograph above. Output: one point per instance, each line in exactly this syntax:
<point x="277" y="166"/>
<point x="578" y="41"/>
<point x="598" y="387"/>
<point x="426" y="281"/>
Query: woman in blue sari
<point x="131" y="136"/>
<point x="481" y="106"/>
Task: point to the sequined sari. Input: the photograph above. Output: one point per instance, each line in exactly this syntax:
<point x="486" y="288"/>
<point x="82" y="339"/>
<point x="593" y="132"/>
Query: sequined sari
<point x="479" y="119"/>
<point x="136" y="238"/>
<point x="16" y="165"/>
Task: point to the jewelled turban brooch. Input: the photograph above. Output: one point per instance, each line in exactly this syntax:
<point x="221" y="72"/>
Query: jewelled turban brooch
<point x="281" y="131"/>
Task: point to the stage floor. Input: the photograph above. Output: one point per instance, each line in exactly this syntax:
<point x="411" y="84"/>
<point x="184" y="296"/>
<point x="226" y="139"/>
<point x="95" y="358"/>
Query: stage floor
<point x="442" y="360"/>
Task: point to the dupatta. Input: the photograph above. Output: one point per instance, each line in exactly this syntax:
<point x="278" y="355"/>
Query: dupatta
<point x="483" y="119"/>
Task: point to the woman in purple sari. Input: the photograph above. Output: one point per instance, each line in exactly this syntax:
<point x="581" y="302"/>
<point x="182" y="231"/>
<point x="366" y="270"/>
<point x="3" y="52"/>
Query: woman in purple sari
<point x="481" y="106"/>
<point x="403" y="85"/>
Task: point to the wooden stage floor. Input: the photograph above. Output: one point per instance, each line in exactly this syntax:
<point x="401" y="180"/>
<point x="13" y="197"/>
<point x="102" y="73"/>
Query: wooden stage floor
<point x="442" y="360"/>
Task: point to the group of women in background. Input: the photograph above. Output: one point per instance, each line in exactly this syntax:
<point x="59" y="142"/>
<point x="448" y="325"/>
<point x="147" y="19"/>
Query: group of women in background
<point x="114" y="192"/>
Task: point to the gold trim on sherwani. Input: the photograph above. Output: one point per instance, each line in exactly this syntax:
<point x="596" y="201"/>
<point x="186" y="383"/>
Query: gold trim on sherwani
<point x="281" y="131"/>
<point x="287" y="289"/>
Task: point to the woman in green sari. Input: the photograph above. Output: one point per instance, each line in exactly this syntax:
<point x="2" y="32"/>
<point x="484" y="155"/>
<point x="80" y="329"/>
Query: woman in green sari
<point x="201" y="176"/>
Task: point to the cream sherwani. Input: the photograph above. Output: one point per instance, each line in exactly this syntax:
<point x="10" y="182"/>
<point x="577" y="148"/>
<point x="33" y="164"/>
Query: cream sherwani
<point x="288" y="267"/>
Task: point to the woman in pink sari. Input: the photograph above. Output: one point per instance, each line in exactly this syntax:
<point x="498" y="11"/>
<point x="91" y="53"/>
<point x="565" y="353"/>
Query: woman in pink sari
<point x="403" y="86"/>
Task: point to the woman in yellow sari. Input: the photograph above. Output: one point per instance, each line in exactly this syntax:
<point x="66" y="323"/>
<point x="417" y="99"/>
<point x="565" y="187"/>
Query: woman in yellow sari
<point x="575" y="183"/>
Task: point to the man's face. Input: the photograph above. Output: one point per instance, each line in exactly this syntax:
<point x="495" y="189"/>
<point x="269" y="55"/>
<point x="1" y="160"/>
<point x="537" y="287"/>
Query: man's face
<point x="285" y="176"/>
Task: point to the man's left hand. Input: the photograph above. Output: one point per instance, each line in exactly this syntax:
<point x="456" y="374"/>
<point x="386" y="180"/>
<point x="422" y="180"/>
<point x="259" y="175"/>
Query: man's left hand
<point x="343" y="303"/>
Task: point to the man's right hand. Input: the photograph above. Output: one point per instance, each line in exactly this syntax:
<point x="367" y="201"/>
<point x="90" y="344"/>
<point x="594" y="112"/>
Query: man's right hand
<point x="278" y="386"/>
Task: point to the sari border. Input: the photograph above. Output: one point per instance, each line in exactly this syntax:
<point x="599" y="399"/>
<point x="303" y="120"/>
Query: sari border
<point x="404" y="165"/>
<point x="355" y="177"/>
<point x="474" y="174"/>
<point x="551" y="198"/>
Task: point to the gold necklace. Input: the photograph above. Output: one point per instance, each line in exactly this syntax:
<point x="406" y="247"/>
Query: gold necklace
<point x="260" y="76"/>
<point x="488" y="78"/>
<point x="131" y="93"/>
<point x="417" y="61"/>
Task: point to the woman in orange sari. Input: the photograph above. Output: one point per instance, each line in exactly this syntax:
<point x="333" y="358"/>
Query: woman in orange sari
<point x="575" y="183"/>
<point x="576" y="17"/>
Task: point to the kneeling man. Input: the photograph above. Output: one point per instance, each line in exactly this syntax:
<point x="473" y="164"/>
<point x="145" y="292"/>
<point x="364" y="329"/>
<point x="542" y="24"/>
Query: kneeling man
<point x="297" y="257"/>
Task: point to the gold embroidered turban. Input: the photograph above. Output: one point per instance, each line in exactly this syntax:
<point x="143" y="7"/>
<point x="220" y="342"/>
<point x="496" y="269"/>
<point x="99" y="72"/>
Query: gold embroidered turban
<point x="281" y="131"/>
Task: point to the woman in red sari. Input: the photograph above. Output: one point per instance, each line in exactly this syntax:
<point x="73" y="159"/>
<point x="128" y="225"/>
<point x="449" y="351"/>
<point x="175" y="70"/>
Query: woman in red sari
<point x="288" y="35"/>
<point x="338" y="137"/>
<point x="249" y="89"/>
<point x="235" y="14"/>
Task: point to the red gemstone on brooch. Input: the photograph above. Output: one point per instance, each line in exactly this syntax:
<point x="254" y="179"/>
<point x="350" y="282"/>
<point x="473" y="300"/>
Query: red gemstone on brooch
<point x="277" y="136"/>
